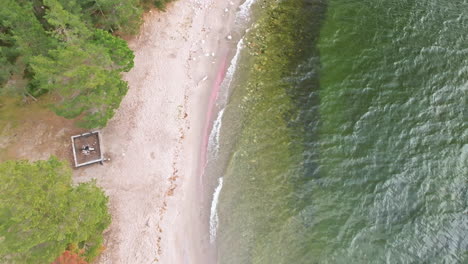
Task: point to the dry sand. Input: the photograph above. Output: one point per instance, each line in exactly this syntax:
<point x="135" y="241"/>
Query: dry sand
<point x="155" y="139"/>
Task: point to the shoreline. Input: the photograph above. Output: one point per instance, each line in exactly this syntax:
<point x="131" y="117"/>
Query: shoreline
<point x="215" y="90"/>
<point x="156" y="141"/>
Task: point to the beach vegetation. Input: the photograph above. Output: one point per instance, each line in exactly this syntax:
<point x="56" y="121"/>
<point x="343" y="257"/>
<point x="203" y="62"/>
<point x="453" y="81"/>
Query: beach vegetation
<point x="161" y="4"/>
<point x="113" y="16"/>
<point x="84" y="80"/>
<point x="70" y="50"/>
<point x="42" y="214"/>
<point x="70" y="257"/>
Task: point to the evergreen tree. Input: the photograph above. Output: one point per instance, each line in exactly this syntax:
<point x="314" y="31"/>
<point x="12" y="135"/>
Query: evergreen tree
<point x="67" y="26"/>
<point x="65" y="48"/>
<point x="117" y="48"/>
<point x="84" y="80"/>
<point x="41" y="213"/>
<point x="111" y="15"/>
<point x="21" y="37"/>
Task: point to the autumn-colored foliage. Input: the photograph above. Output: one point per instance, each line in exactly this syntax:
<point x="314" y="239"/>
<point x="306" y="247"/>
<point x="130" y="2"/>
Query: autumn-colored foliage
<point x="69" y="257"/>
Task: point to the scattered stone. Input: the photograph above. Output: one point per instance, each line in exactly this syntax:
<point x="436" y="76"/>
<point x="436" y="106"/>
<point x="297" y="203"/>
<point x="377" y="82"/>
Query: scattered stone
<point x="226" y="10"/>
<point x="229" y="37"/>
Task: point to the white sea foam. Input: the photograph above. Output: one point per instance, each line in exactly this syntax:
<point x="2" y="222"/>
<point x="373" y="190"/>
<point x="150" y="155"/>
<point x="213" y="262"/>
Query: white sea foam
<point x="244" y="10"/>
<point x="241" y="16"/>
<point x="213" y="141"/>
<point x="230" y="74"/>
<point x="214" y="211"/>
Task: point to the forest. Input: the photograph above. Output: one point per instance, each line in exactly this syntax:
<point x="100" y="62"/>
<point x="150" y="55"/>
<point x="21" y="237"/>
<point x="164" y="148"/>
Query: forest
<point x="71" y="55"/>
<point x="71" y="51"/>
<point x="42" y="214"/>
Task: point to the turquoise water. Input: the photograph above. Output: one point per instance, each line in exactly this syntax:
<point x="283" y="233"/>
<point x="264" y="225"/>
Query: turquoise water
<point x="355" y="149"/>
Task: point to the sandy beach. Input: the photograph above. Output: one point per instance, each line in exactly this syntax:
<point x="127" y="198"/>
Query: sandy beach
<point x="157" y="137"/>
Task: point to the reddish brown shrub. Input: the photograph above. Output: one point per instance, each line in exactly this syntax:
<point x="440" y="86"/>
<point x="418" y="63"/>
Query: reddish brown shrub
<point x="69" y="257"/>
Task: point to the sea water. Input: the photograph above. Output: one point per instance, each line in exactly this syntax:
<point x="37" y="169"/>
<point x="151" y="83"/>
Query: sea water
<point x="345" y="135"/>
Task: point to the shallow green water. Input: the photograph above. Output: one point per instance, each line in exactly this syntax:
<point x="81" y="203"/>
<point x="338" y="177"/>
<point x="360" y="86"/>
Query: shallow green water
<point x="353" y="141"/>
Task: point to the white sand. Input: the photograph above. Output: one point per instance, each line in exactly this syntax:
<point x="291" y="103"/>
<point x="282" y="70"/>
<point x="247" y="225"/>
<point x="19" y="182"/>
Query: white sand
<point x="155" y="138"/>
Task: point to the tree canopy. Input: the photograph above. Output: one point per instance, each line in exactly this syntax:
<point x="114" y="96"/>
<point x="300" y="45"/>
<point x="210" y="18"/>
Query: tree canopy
<point x="41" y="213"/>
<point x="66" y="48"/>
<point x="84" y="79"/>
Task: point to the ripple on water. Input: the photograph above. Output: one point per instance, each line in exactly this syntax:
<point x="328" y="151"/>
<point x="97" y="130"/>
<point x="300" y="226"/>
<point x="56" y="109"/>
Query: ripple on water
<point x="368" y="160"/>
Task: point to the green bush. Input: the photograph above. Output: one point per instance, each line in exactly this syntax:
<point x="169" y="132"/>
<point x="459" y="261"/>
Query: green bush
<point x="41" y="213"/>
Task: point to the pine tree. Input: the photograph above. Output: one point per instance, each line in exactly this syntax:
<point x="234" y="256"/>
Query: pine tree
<point x="41" y="213"/>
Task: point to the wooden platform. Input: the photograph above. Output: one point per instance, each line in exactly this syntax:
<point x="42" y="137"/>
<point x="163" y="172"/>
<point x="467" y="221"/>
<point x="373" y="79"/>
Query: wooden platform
<point x="87" y="148"/>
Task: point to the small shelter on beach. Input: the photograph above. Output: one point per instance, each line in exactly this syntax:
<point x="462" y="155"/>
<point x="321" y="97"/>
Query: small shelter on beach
<point x="87" y="149"/>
